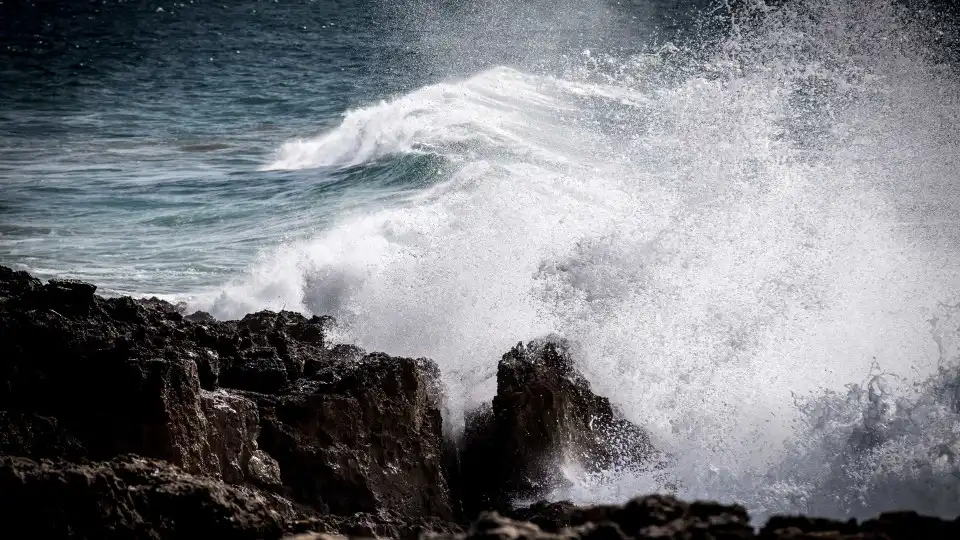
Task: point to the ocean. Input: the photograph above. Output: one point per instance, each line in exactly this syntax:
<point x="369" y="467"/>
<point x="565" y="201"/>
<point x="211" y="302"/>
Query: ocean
<point x="745" y="214"/>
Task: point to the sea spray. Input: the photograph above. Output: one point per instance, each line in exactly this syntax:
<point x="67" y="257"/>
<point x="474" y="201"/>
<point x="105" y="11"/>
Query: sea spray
<point x="734" y="232"/>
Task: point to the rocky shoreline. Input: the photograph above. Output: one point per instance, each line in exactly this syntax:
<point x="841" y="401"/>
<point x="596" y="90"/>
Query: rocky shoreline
<point x="124" y="418"/>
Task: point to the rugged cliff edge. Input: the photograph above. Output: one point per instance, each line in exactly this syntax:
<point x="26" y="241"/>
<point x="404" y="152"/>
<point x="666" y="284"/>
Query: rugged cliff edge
<point x="124" y="418"/>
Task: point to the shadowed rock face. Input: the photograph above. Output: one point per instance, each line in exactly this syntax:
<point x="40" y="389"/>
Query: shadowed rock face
<point x="544" y="413"/>
<point x="389" y="408"/>
<point x="28" y="434"/>
<point x="131" y="497"/>
<point x="84" y="377"/>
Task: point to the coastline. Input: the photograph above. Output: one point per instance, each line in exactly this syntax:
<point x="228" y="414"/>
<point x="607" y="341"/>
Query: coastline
<point x="128" y="418"/>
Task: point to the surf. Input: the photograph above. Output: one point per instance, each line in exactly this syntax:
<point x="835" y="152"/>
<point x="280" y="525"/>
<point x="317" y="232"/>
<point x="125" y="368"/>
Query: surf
<point x="737" y="236"/>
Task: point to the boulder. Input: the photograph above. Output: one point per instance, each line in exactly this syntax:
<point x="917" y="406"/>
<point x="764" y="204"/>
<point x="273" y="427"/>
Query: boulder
<point x="132" y="497"/>
<point x="543" y="414"/>
<point x="361" y="436"/>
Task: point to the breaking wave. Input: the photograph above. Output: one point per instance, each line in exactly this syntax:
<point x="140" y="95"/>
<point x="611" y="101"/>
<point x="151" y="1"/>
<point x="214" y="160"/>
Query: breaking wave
<point x="753" y="240"/>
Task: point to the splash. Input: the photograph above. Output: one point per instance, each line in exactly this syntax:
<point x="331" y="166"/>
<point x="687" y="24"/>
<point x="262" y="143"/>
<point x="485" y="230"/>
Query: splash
<point x="721" y="228"/>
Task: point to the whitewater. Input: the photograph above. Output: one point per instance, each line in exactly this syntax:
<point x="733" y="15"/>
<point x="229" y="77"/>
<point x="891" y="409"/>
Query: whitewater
<point x="754" y="250"/>
<point x="751" y="236"/>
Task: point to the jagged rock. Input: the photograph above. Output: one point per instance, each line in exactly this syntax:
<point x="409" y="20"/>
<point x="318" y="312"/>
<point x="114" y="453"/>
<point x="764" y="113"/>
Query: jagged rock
<point x="665" y="517"/>
<point x="200" y="317"/>
<point x="132" y="497"/>
<point x="26" y="434"/>
<point x="77" y="369"/>
<point x="656" y="516"/>
<point x="492" y="525"/>
<point x="157" y="304"/>
<point x="888" y="526"/>
<point x="101" y="377"/>
<point x="275" y="349"/>
<point x="17" y="283"/>
<point x="338" y="354"/>
<point x="109" y="398"/>
<point x="136" y="376"/>
<point x="379" y="525"/>
<point x="362" y="436"/>
<point x="259" y="369"/>
<point x="233" y="425"/>
<point x="316" y="536"/>
<point x="543" y="414"/>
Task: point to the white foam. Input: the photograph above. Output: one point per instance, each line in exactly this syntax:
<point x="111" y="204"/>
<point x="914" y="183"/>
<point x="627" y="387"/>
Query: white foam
<point x="491" y="108"/>
<point x="716" y="245"/>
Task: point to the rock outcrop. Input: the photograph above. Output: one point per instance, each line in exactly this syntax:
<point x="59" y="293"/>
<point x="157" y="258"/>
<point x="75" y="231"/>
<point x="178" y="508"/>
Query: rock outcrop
<point x="123" y="418"/>
<point x="362" y="436"/>
<point x="662" y="517"/>
<point x="131" y="497"/>
<point x="233" y="427"/>
<point x="543" y="414"/>
<point x="87" y="378"/>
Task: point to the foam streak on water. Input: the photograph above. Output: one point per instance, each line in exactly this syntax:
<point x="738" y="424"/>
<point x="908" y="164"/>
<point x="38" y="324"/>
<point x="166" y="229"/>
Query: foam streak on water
<point x="720" y="236"/>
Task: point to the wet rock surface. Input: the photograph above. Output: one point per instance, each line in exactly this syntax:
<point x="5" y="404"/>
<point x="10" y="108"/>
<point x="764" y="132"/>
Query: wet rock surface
<point x="124" y="418"/>
<point x="544" y="414"/>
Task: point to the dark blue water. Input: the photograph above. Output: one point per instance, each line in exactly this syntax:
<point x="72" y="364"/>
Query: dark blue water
<point x="131" y="136"/>
<point x="735" y="213"/>
<point x="132" y="132"/>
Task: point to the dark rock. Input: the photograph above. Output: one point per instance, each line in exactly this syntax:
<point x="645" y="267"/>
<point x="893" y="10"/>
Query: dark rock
<point x="338" y="354"/>
<point x="904" y="525"/>
<point x="132" y="497"/>
<point x="553" y="516"/>
<point x="318" y="536"/>
<point x="77" y="295"/>
<point x="362" y="437"/>
<point x="200" y="317"/>
<point x="660" y="517"/>
<point x="493" y="526"/>
<point x="233" y="425"/>
<point x="15" y="284"/>
<point x="275" y="348"/>
<point x="785" y="526"/>
<point x="544" y="413"/>
<point x="259" y="369"/>
<point x="148" y="407"/>
<point x="378" y="525"/>
<point x="163" y="306"/>
<point x="98" y="378"/>
<point x="26" y="434"/>
<point x="643" y="517"/>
